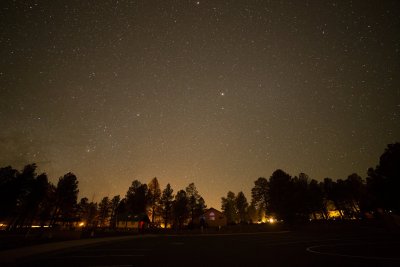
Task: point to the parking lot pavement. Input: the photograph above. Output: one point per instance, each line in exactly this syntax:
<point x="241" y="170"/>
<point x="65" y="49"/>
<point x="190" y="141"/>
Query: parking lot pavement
<point x="261" y="249"/>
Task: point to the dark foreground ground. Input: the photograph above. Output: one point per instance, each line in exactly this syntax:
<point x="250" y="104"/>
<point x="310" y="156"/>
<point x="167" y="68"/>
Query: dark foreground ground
<point x="280" y="248"/>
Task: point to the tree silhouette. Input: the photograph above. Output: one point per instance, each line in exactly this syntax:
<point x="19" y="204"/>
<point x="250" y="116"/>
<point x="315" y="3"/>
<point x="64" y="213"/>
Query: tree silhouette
<point x="92" y="213"/>
<point x="154" y="194"/>
<point x="47" y="205"/>
<point x="259" y="193"/>
<point x="300" y="197"/>
<point x="23" y="184"/>
<point x="200" y="207"/>
<point x="65" y="197"/>
<point x="82" y="209"/>
<point x="9" y="192"/>
<point x="88" y="212"/>
<point x="167" y="199"/>
<point x="241" y="206"/>
<point x="122" y="210"/>
<point x="137" y="198"/>
<point x="316" y="199"/>
<point x="22" y="195"/>
<point x="355" y="194"/>
<point x="281" y="197"/>
<point x="26" y="197"/>
<point x="253" y="213"/>
<point x="180" y="208"/>
<point x="35" y="198"/>
<point x="196" y="203"/>
<point x="383" y="181"/>
<point x="113" y="210"/>
<point x="229" y="208"/>
<point x="104" y="211"/>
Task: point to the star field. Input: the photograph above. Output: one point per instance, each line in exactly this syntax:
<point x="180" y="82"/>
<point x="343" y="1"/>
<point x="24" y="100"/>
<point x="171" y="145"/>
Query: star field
<point x="217" y="93"/>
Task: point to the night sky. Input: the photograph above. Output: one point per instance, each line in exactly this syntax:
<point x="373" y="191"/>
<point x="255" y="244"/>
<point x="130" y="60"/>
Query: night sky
<point x="217" y="93"/>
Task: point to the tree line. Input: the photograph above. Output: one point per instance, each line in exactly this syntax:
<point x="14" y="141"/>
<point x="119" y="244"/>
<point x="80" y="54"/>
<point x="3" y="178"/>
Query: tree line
<point x="28" y="198"/>
<point x="301" y="198"/>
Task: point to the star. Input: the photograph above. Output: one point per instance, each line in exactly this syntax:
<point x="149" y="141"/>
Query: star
<point x="144" y="94"/>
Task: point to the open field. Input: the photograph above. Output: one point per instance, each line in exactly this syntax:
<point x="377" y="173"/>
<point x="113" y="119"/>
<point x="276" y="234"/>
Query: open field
<point x="362" y="247"/>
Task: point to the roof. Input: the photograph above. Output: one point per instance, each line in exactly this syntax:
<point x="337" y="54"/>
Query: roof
<point x="212" y="210"/>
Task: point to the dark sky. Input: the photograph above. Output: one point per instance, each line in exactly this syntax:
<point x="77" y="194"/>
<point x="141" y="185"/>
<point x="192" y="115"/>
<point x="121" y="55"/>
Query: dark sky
<point x="217" y="93"/>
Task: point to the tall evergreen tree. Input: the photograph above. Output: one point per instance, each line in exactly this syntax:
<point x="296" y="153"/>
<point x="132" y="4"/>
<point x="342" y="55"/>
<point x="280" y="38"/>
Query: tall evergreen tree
<point x="196" y="203"/>
<point x="280" y="194"/>
<point x="241" y="206"/>
<point x="229" y="207"/>
<point x="253" y="213"/>
<point x="259" y="193"/>
<point x="383" y="182"/>
<point x="180" y="208"/>
<point x="137" y="198"/>
<point x="66" y="197"/>
<point x="316" y="199"/>
<point x="9" y="192"/>
<point x="113" y="210"/>
<point x="23" y="188"/>
<point x="167" y="199"/>
<point x="104" y="211"/>
<point x="154" y="195"/>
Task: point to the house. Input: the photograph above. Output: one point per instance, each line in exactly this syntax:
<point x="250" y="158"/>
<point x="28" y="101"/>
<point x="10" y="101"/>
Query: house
<point x="134" y="222"/>
<point x="213" y="218"/>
